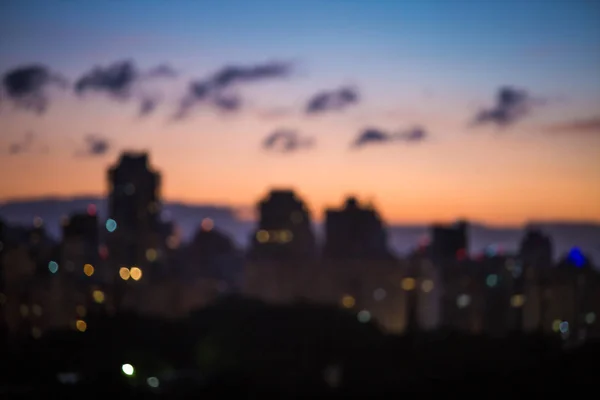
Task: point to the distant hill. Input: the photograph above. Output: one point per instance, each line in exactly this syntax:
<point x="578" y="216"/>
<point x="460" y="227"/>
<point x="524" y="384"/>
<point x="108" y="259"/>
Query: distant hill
<point x="401" y="238"/>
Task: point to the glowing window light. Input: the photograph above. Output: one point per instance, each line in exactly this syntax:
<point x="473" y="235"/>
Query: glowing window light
<point x="111" y="225"/>
<point x="408" y="284"/>
<point x="463" y="300"/>
<point x="427" y="285"/>
<point x="379" y="294"/>
<point x="363" y="316"/>
<point x="262" y="236"/>
<point x="135" y="273"/>
<point x="98" y="296"/>
<point x="517" y="300"/>
<point x="124" y="273"/>
<point x="81" y="325"/>
<point x="151" y="255"/>
<point x="590" y="318"/>
<point x="348" y="301"/>
<point x="88" y="269"/>
<point x="491" y="280"/>
<point x="128" y="369"/>
<point x="53" y="267"/>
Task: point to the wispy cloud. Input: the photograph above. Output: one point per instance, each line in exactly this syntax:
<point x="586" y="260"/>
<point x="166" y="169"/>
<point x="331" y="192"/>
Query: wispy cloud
<point x="286" y="141"/>
<point x="334" y="100"/>
<point x="22" y="146"/>
<point x="512" y="105"/>
<point x="584" y="125"/>
<point x="94" y="145"/>
<point x="371" y="136"/>
<point x="215" y="90"/>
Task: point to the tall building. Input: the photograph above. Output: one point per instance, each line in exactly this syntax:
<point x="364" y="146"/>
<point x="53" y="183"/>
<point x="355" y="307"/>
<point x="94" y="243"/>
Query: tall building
<point x="134" y="226"/>
<point x="536" y="258"/>
<point x="449" y="243"/>
<point x="80" y="243"/>
<point x="284" y="229"/>
<point x="355" y="232"/>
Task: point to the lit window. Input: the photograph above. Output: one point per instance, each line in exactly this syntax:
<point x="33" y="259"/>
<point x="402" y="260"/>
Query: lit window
<point x="124" y="273"/>
<point x="98" y="296"/>
<point x="348" y="301"/>
<point x="463" y="300"/>
<point x="136" y="273"/>
<point x="427" y="285"/>
<point x="285" y="236"/>
<point x="262" y="236"/>
<point x="88" y="269"/>
<point x="151" y="255"/>
<point x="363" y="316"/>
<point x="80" y="325"/>
<point x="408" y="284"/>
<point x="517" y="300"/>
<point x="379" y="294"/>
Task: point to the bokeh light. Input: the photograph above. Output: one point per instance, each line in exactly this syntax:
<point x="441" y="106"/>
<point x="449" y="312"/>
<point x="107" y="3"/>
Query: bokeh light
<point x="81" y="325"/>
<point x="363" y="316"/>
<point x="348" y="301"/>
<point x="88" y="269"/>
<point x="124" y="273"/>
<point x="98" y="296"/>
<point x="127" y="369"/>
<point x="111" y="225"/>
<point x="53" y="267"/>
<point x="135" y="273"/>
<point x="408" y="283"/>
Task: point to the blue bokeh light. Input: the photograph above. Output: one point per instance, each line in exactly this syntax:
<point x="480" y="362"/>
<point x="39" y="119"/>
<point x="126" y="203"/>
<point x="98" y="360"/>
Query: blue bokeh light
<point x="111" y="225"/>
<point x="576" y="257"/>
<point x="53" y="267"/>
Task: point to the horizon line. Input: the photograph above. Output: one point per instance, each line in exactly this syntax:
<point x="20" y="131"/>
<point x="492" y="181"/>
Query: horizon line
<point x="238" y="209"/>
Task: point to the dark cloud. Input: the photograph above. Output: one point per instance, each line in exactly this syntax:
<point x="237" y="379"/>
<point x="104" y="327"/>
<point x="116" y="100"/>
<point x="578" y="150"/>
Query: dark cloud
<point x="286" y="141"/>
<point x="335" y="100"/>
<point x="26" y="86"/>
<point x="121" y="80"/>
<point x="511" y="106"/>
<point x="147" y="105"/>
<point x="23" y="146"/>
<point x="95" y="145"/>
<point x="377" y="136"/>
<point x="586" y="125"/>
<point x="215" y="89"/>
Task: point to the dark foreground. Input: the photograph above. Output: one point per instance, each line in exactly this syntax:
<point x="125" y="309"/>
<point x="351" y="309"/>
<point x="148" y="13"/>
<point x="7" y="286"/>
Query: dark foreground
<point x="249" y="350"/>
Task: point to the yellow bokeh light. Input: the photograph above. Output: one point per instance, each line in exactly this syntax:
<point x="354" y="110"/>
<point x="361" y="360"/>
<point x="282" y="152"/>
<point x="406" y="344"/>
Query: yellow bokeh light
<point x="262" y="236"/>
<point x="556" y="325"/>
<point x="98" y="296"/>
<point x="517" y="300"/>
<point x="408" y="283"/>
<point x="285" y="236"/>
<point x="81" y="325"/>
<point x="36" y="332"/>
<point x="88" y="269"/>
<point x="136" y="273"/>
<point x="151" y="255"/>
<point x="124" y="273"/>
<point x="348" y="301"/>
<point x="427" y="285"/>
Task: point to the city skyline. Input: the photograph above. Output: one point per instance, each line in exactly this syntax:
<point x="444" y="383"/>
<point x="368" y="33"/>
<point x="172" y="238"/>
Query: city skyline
<point x="404" y="80"/>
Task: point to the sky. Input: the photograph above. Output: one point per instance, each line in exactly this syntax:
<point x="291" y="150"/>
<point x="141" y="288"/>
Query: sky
<point x="432" y="110"/>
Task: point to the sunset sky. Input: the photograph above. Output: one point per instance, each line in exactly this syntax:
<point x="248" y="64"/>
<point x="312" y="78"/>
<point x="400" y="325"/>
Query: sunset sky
<point x="421" y="80"/>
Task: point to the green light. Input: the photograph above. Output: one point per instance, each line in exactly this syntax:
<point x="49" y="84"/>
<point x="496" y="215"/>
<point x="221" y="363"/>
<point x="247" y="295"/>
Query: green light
<point x="492" y="280"/>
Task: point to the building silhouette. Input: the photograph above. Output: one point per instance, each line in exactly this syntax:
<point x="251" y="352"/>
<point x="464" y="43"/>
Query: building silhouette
<point x="284" y="229"/>
<point x="355" y="232"/>
<point x="134" y="227"/>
